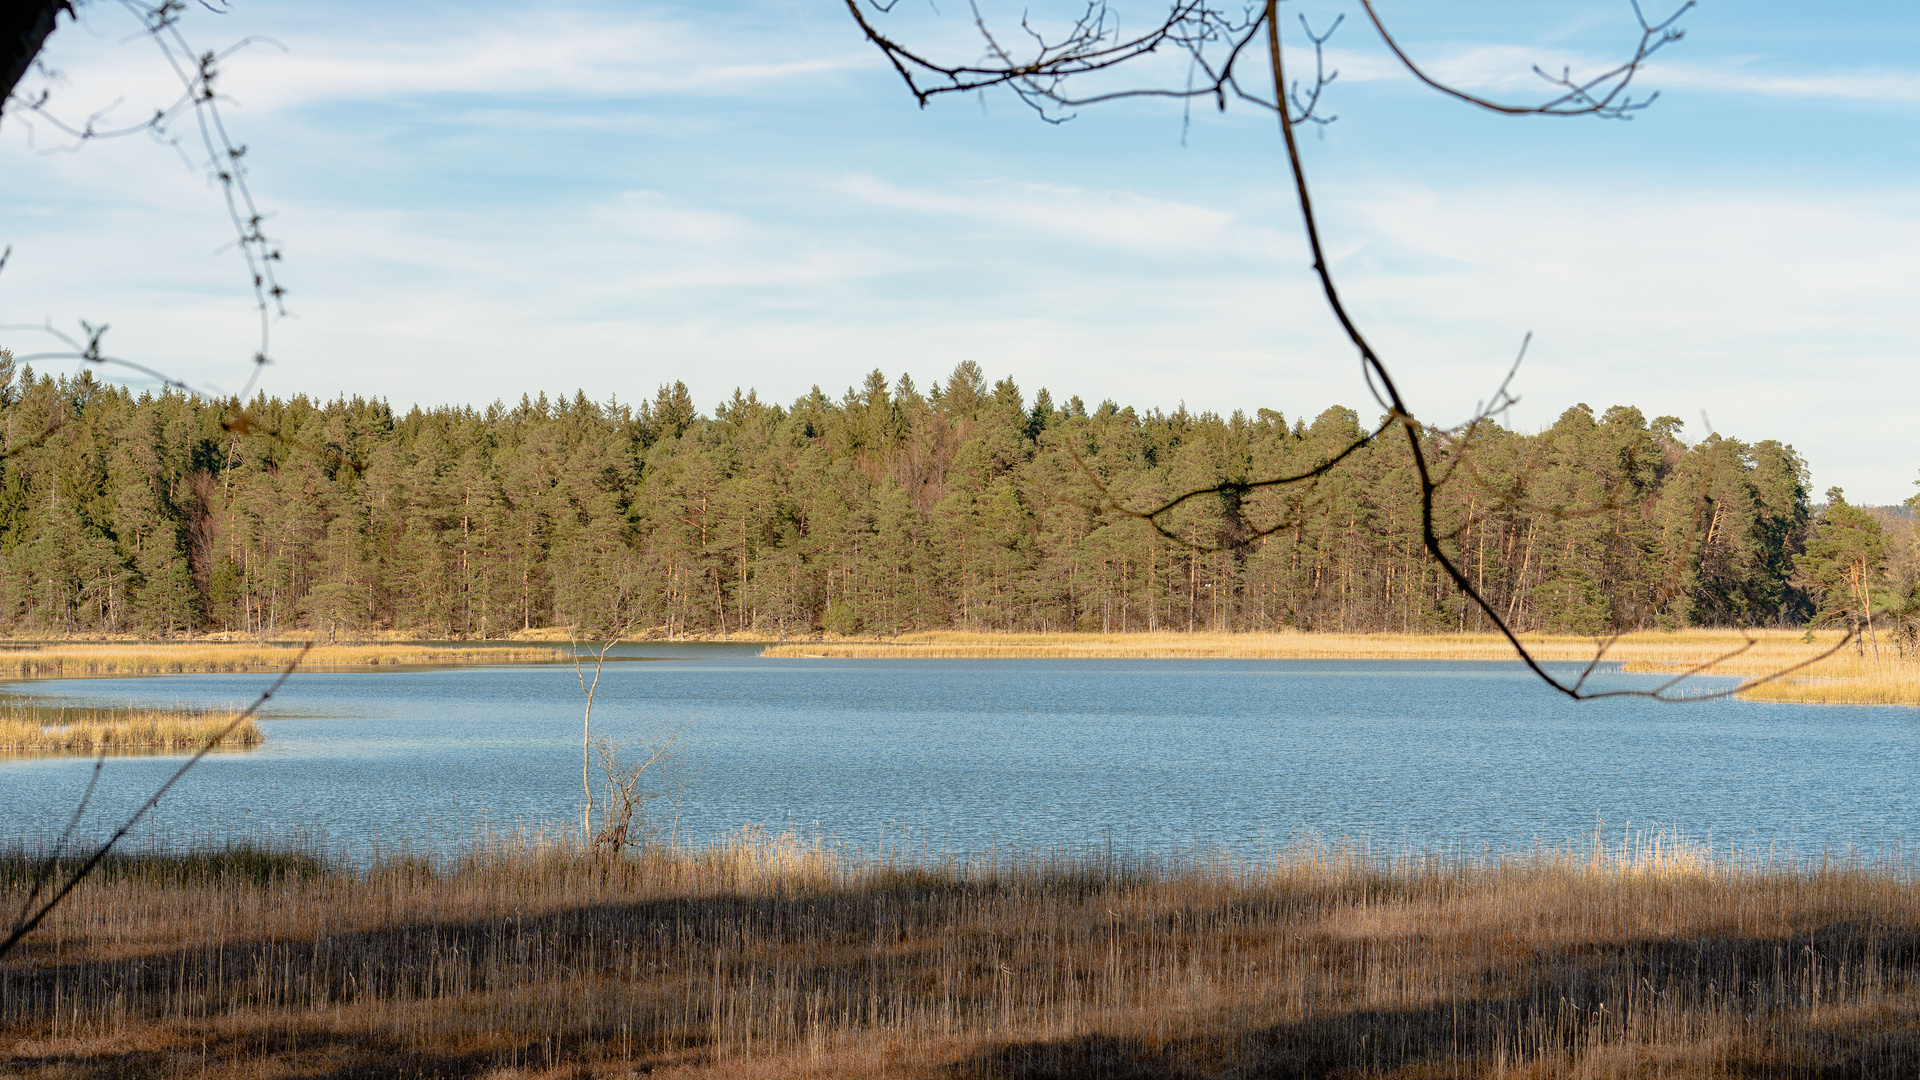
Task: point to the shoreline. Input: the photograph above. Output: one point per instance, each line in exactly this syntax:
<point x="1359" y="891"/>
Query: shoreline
<point x="1849" y="677"/>
<point x="1675" y="646"/>
<point x="1842" y="679"/>
<point x="100" y="659"/>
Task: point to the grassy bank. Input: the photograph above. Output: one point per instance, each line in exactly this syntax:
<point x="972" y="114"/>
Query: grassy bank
<point x="39" y="731"/>
<point x="154" y="658"/>
<point x="769" y="958"/>
<point x="1845" y="678"/>
<point x="1683" y="645"/>
<point x="1842" y="679"/>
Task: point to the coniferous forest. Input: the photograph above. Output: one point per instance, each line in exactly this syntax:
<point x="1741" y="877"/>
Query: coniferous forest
<point x="884" y="510"/>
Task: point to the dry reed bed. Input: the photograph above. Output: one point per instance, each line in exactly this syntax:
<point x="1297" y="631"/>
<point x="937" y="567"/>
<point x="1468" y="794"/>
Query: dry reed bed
<point x="73" y="661"/>
<point x="769" y="958"/>
<point x="1693" y="645"/>
<point x="27" y="730"/>
<point x="1845" y="678"/>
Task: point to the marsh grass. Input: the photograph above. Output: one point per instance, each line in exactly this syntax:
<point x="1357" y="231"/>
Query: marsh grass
<point x="78" y="661"/>
<point x="771" y="956"/>
<point x="1849" y="681"/>
<point x="1849" y="677"/>
<point x="35" y="730"/>
<point x="1845" y="678"/>
<point x="1695" y="645"/>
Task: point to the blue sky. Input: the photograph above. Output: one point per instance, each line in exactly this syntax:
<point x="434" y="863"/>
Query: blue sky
<point x="480" y="200"/>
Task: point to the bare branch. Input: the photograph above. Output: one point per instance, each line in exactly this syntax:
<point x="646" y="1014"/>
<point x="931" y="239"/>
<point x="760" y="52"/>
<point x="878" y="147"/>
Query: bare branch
<point x="1232" y="488"/>
<point x="197" y="74"/>
<point x="1093" y="45"/>
<point x="1042" y="75"/>
<point x="27" y="922"/>
<point x="1604" y="95"/>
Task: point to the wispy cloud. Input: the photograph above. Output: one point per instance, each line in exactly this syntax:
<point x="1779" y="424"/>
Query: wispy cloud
<point x="1100" y="219"/>
<point x="485" y="201"/>
<point x="532" y="55"/>
<point x="1510" y="69"/>
<point x="634" y="58"/>
<point x="1891" y="87"/>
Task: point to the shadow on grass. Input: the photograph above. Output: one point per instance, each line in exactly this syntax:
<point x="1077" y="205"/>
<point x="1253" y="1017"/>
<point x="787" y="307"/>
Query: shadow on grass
<point x="530" y="984"/>
<point x="1425" y="1043"/>
<point x="304" y="1054"/>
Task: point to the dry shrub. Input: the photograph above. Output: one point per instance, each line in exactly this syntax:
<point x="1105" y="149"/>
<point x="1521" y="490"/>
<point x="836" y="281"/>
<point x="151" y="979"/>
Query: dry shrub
<point x="631" y="788"/>
<point x="1862" y="674"/>
<point x="1848" y="679"/>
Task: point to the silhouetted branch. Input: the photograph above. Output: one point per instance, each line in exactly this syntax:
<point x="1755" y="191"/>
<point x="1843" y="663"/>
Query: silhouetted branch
<point x="31" y="917"/>
<point x="45" y="871"/>
<point x="197" y="74"/>
<point x="1093" y="45"/>
<point x="1231" y="488"/>
<point x="1604" y="95"/>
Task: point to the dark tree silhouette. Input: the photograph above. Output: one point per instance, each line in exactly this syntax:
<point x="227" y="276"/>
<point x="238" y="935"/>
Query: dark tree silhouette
<point x="24" y="28"/>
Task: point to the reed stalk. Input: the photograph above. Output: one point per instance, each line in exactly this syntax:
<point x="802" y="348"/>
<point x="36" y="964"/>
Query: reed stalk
<point x="772" y="956"/>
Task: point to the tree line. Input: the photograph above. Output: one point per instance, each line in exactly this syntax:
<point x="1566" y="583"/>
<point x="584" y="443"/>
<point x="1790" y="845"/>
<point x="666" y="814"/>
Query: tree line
<point x="887" y="510"/>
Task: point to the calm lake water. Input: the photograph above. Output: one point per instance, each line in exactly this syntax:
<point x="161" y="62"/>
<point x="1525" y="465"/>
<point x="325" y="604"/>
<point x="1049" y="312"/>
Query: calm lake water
<point x="959" y="755"/>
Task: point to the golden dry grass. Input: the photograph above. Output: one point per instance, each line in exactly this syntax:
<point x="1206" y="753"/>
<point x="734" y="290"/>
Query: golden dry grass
<point x="1681" y="645"/>
<point x="769" y="957"/>
<point x="1853" y="676"/>
<point x="1842" y="679"/>
<point x="77" y="661"/>
<point x="1847" y="681"/>
<point x="29" y="730"/>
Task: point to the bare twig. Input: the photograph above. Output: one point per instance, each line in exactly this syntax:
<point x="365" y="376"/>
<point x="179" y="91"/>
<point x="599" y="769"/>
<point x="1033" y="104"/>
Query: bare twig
<point x="1093" y="45"/>
<point x="45" y="872"/>
<point x="197" y="72"/>
<point x="1603" y="95"/>
<point x="31" y="917"/>
<point x="586" y="724"/>
<point x="625" y="798"/>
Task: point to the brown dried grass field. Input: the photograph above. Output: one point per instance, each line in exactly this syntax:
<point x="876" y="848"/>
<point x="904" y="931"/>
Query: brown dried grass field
<point x="1845" y="678"/>
<point x="767" y="957"/>
<point x="29" y="730"/>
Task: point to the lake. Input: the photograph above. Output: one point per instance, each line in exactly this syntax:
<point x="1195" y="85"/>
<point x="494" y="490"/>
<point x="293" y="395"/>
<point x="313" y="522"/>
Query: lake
<point x="965" y="755"/>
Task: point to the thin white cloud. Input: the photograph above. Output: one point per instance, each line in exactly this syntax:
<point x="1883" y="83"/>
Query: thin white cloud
<point x="1773" y="311"/>
<point x="1889" y="87"/>
<point x="1101" y="219"/>
<point x="540" y="55"/>
<point x="714" y="252"/>
<point x="579" y="60"/>
<point x="1511" y="69"/>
